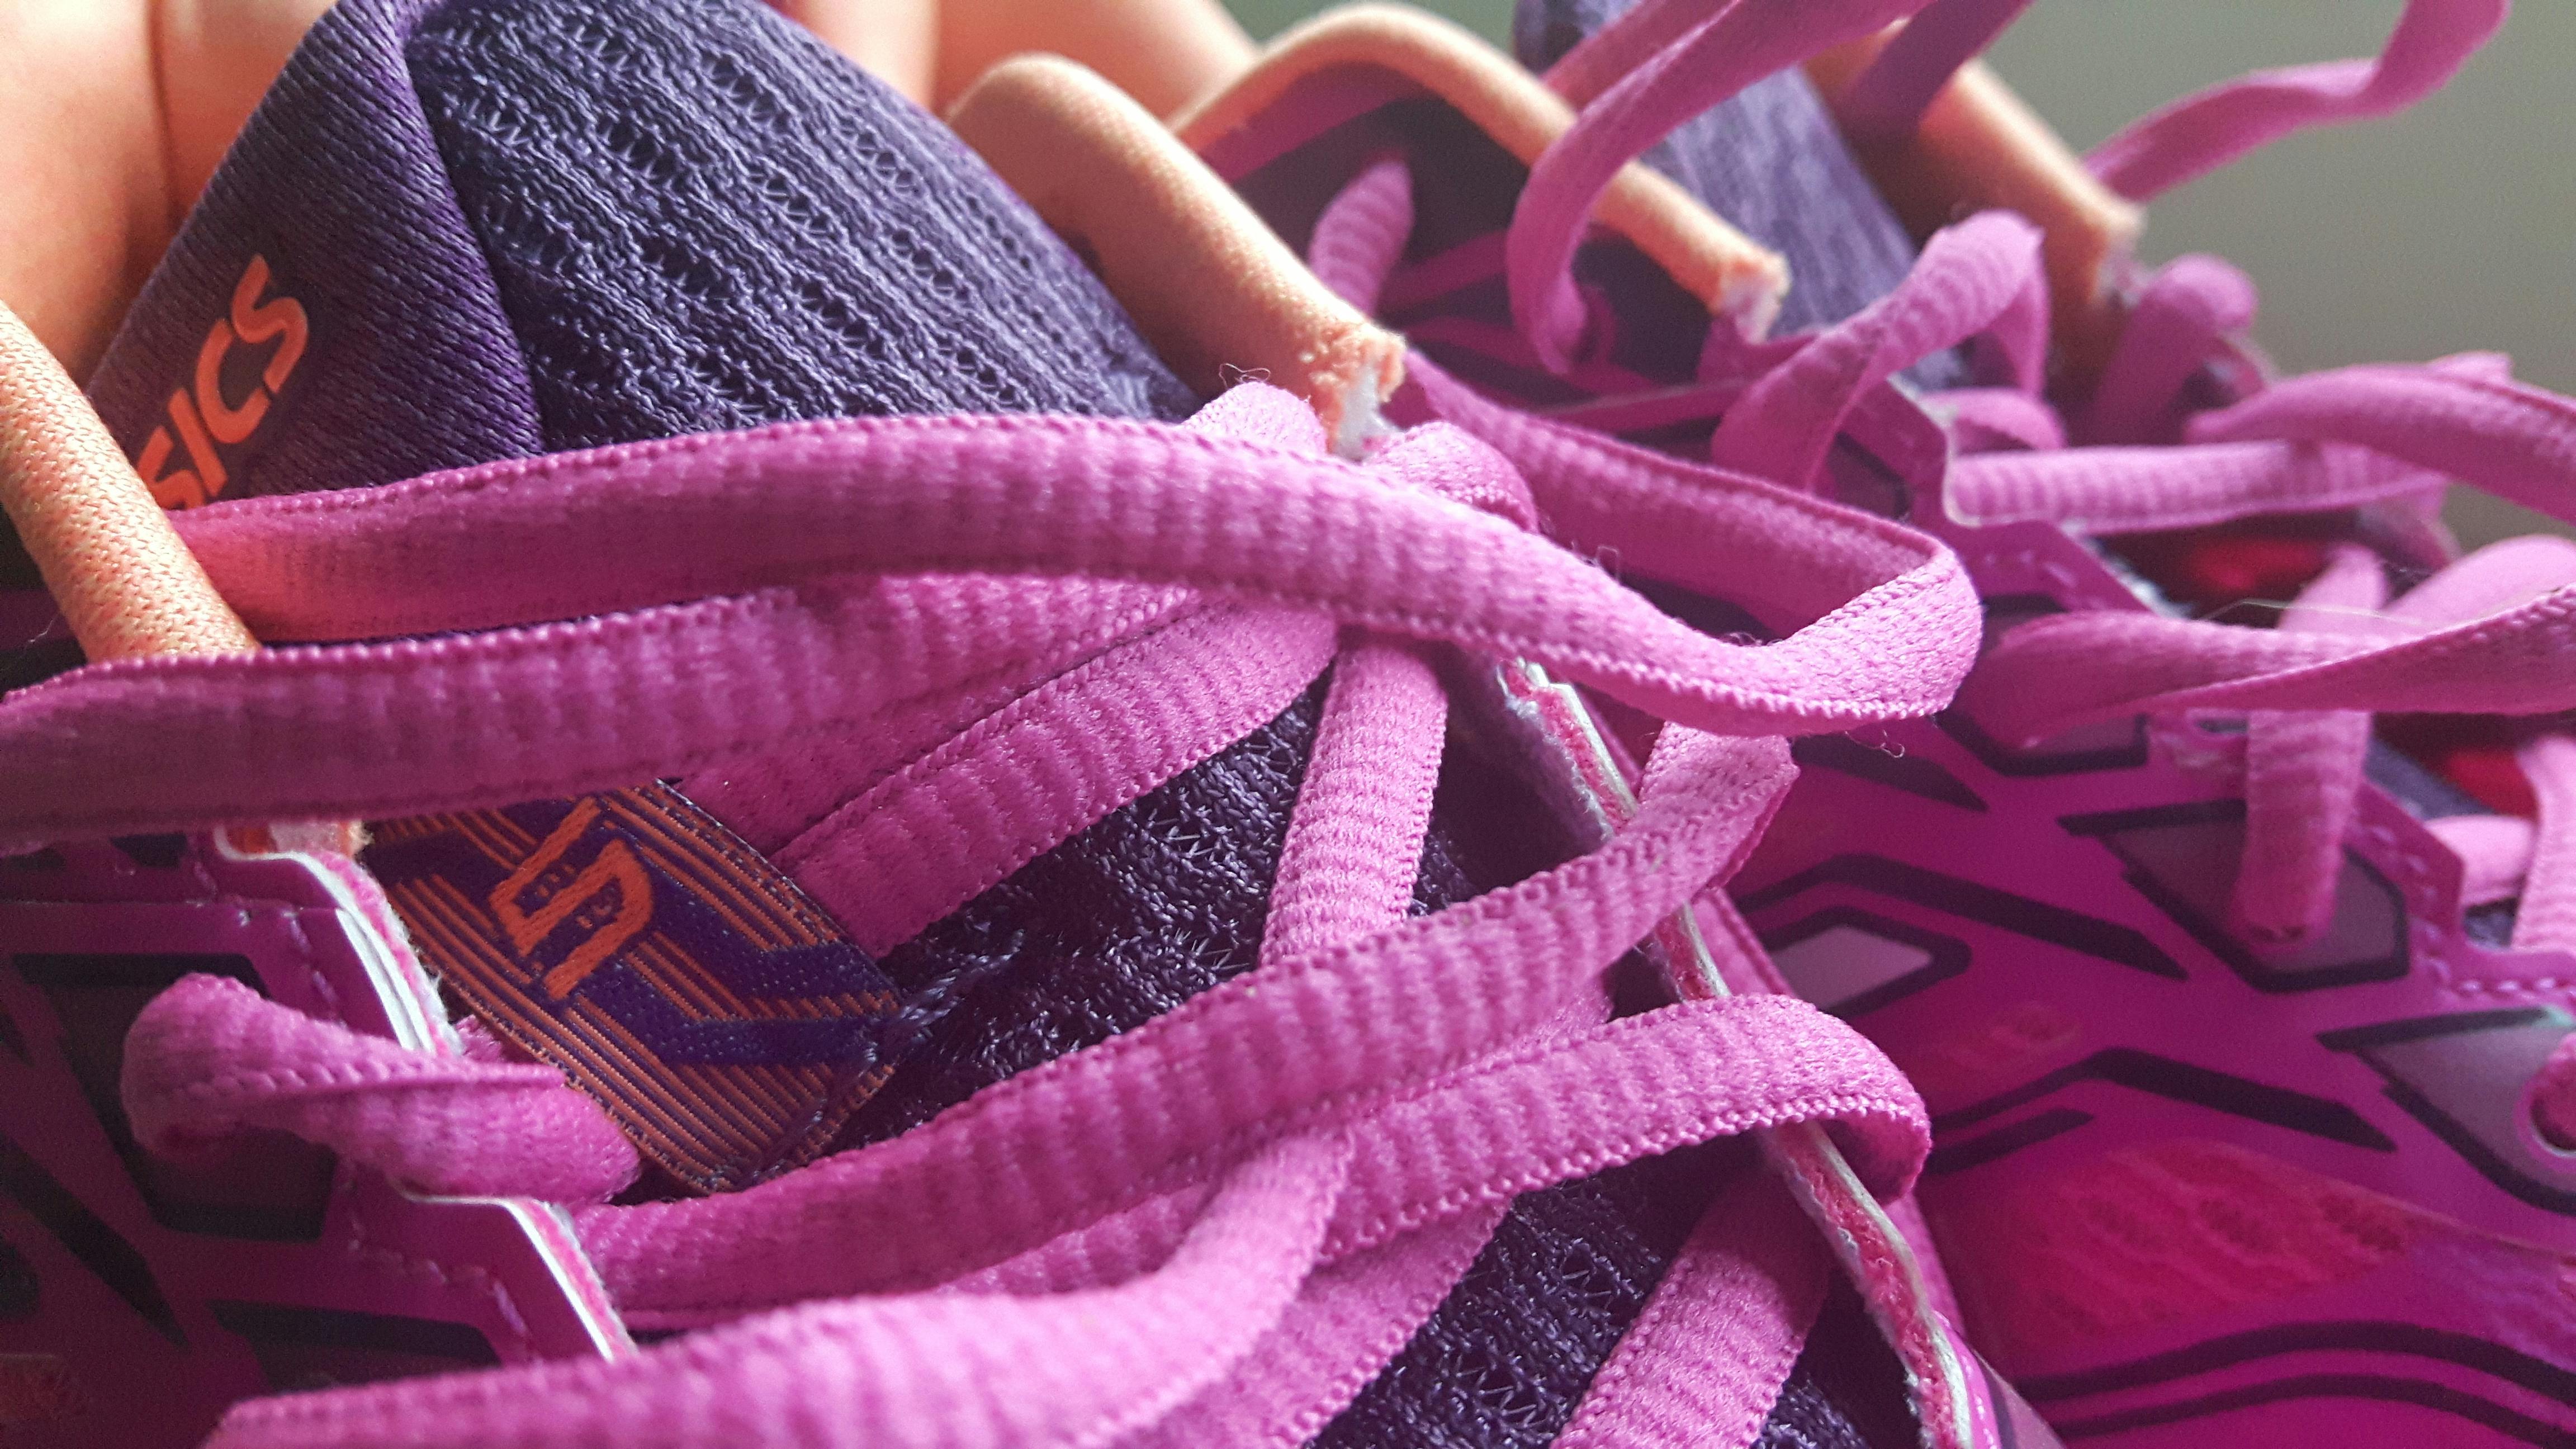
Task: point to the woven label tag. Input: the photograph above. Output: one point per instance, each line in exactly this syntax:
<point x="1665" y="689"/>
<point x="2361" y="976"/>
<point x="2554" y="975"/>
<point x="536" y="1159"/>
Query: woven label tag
<point x="668" y="969"/>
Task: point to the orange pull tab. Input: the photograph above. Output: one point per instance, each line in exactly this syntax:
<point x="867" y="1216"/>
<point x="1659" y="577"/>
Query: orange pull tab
<point x="125" y="583"/>
<point x="1981" y="146"/>
<point x="1731" y="274"/>
<point x="1214" y="289"/>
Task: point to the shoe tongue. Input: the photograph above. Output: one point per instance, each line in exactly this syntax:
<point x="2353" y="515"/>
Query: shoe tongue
<point x="460" y="232"/>
<point x="1771" y="162"/>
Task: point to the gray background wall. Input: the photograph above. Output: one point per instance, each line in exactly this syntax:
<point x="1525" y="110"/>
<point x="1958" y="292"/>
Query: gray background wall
<point x="2450" y="228"/>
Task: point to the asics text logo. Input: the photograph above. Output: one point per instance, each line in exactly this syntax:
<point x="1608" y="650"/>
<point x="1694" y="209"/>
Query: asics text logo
<point x="202" y="420"/>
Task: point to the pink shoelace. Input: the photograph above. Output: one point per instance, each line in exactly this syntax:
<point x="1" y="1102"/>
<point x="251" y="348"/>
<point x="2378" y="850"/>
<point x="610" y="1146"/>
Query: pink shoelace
<point x="1097" y="1249"/>
<point x="1668" y="60"/>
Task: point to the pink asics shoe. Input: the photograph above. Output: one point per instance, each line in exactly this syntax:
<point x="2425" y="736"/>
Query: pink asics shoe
<point x="2245" y="1036"/>
<point x="943" y="926"/>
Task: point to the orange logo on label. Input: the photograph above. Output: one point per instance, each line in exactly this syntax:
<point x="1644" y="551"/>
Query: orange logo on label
<point x="205" y="421"/>
<point x="685" y="983"/>
<point x="615" y="867"/>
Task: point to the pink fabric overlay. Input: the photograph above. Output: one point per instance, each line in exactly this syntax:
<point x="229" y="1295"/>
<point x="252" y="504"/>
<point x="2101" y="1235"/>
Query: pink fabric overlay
<point x="210" y="1057"/>
<point x="787" y="518"/>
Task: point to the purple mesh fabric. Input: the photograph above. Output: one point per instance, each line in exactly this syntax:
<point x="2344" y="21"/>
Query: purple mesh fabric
<point x="1846" y="1391"/>
<point x="1125" y="921"/>
<point x="1149" y="907"/>
<point x="701" y="219"/>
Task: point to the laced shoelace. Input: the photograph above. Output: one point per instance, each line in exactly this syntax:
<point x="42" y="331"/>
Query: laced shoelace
<point x="2494" y="633"/>
<point x="1084" y="1249"/>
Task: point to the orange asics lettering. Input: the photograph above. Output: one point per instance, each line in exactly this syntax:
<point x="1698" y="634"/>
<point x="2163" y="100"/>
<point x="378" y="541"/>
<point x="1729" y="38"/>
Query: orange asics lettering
<point x="203" y="421"/>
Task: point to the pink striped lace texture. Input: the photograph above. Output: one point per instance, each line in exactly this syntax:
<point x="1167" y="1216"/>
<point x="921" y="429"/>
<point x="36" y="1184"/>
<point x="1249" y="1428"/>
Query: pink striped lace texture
<point x="1668" y="60"/>
<point x="2199" y="133"/>
<point x="833" y="553"/>
<point x="1094" y="1249"/>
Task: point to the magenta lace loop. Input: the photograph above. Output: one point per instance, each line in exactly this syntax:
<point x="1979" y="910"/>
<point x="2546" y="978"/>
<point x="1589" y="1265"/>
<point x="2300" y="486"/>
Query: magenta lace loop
<point x="2189" y="314"/>
<point x="1980" y="278"/>
<point x="2199" y="133"/>
<point x="2460" y="417"/>
<point x="790" y="517"/>
<point x="1666" y="61"/>
<point x="210" y="1058"/>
